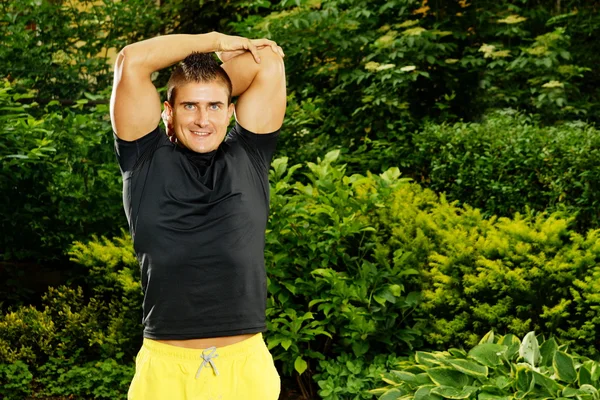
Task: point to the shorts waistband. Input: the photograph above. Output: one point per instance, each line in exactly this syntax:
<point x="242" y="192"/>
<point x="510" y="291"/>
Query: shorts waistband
<point x="245" y="347"/>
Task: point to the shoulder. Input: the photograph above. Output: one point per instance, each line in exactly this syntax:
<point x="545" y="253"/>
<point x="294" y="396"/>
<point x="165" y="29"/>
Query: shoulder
<point x="131" y="154"/>
<point x="238" y="132"/>
<point x="259" y="147"/>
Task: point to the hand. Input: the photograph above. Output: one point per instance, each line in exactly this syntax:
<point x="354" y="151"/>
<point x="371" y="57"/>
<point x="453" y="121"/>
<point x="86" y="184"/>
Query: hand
<point x="229" y="47"/>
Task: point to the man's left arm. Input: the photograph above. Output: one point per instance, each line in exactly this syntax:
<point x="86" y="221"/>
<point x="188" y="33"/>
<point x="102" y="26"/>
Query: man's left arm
<point x="261" y="88"/>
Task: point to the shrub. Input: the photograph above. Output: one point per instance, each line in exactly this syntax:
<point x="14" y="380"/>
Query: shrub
<point x="15" y="380"/>
<point x="360" y="265"/>
<point x="350" y="377"/>
<point x="502" y="368"/>
<point x="105" y="379"/>
<point x="509" y="162"/>
<point x="77" y="344"/>
<point x="364" y="74"/>
<point x="56" y="168"/>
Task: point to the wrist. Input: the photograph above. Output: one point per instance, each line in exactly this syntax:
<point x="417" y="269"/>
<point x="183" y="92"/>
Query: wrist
<point x="214" y="38"/>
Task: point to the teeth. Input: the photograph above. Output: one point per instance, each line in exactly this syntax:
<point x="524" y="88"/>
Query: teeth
<point x="201" y="133"/>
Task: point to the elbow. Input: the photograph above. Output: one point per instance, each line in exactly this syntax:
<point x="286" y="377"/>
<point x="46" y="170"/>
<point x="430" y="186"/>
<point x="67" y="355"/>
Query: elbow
<point x="125" y="57"/>
<point x="271" y="63"/>
<point x="128" y="62"/>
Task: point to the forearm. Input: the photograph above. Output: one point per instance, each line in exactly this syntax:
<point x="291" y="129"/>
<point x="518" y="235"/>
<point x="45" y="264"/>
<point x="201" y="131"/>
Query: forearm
<point x="161" y="52"/>
<point x="243" y="70"/>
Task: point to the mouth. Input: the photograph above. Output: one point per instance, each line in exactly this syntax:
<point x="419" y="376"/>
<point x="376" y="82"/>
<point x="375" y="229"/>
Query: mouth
<point x="200" y="133"/>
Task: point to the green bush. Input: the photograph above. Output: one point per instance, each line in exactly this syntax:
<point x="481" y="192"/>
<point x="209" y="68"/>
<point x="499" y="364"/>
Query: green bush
<point x="61" y="49"/>
<point x="78" y="344"/>
<point x="55" y="169"/>
<point x="105" y="379"/>
<point x="496" y="369"/>
<point x="349" y="377"/>
<point x="364" y="74"/>
<point x="15" y="380"/>
<point x="508" y="162"/>
<point x="361" y="265"/>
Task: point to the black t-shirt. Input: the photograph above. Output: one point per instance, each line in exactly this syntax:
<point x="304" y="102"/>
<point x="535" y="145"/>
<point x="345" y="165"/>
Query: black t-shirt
<point x="198" y="226"/>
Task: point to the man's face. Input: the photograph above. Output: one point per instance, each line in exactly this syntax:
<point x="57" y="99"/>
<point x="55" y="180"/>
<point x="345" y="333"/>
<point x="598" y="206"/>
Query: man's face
<point x="200" y="115"/>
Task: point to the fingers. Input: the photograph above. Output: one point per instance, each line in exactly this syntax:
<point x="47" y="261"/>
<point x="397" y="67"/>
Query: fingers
<point x="262" y="43"/>
<point x="254" y="50"/>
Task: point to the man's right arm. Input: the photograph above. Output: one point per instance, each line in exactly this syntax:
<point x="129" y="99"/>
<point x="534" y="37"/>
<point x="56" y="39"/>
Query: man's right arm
<point x="135" y="104"/>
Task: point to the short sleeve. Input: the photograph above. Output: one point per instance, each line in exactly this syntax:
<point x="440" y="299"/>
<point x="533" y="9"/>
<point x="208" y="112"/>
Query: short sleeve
<point x="260" y="147"/>
<point x="131" y="154"/>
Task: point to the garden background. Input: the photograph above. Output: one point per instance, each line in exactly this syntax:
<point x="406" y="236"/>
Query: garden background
<point x="437" y="178"/>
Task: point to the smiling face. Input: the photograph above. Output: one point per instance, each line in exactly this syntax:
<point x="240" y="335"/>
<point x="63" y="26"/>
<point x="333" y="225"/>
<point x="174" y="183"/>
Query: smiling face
<point x="200" y="115"/>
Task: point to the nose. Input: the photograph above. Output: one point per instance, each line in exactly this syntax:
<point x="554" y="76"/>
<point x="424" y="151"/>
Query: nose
<point x="202" y="118"/>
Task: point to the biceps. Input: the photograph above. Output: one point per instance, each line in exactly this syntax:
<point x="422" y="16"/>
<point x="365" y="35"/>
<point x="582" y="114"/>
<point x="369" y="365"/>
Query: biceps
<point x="261" y="108"/>
<point x="134" y="105"/>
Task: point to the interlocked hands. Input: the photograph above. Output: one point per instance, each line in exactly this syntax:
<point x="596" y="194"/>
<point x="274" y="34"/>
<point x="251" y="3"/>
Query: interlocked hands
<point x="233" y="46"/>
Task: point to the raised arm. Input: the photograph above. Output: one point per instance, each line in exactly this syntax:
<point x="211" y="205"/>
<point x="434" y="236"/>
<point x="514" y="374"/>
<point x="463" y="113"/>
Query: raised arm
<point x="135" y="106"/>
<point x="261" y="89"/>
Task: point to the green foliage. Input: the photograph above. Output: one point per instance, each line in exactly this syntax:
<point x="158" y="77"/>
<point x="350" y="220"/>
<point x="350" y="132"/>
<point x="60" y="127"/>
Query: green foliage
<point x="508" y="162"/>
<point x="16" y="380"/>
<point x="502" y="368"/>
<point x="106" y="379"/>
<point x="81" y="345"/>
<point x="363" y="74"/>
<point x="349" y="377"/>
<point x="55" y="169"/>
<point x="61" y="48"/>
<point x="361" y="265"/>
<point x="530" y="272"/>
<point x="335" y="284"/>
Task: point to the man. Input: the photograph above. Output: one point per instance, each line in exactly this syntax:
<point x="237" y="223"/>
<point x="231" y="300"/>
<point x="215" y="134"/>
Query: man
<point x="197" y="202"/>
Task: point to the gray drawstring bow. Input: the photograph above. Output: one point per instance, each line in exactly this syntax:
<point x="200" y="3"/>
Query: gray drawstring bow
<point x="208" y="359"/>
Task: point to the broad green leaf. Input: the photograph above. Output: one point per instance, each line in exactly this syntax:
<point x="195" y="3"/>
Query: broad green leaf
<point x="487" y="338"/>
<point x="470" y="368"/>
<point x="491" y="389"/>
<point x="489" y="396"/>
<point x="564" y="367"/>
<point x="572" y="392"/>
<point x="424" y="393"/>
<point x="584" y="376"/>
<point x="530" y="349"/>
<point x="404" y="376"/>
<point x="589" y="389"/>
<point x="488" y="354"/>
<point x="300" y="365"/>
<point x="512" y="343"/>
<point x="446" y="376"/>
<point x="428" y="359"/>
<point x="286" y="343"/>
<point x="524" y="379"/>
<point x="360" y="347"/>
<point x="332" y="156"/>
<point x="547" y="350"/>
<point x="422" y="379"/>
<point x="392" y="394"/>
<point x="547" y="383"/>
<point x="390" y="379"/>
<point x="503" y="381"/>
<point x="457" y="353"/>
<point x="595" y="370"/>
<point x="450" y="392"/>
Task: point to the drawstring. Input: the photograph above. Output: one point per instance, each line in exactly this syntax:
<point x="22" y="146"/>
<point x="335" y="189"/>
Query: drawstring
<point x="208" y="359"/>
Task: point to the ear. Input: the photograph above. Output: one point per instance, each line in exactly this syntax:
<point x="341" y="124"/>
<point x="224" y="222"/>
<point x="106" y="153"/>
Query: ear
<point x="167" y="113"/>
<point x="230" y="110"/>
<point x="167" y="118"/>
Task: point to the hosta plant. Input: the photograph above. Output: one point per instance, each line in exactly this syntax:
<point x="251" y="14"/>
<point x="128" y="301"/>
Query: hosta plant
<point x="503" y="368"/>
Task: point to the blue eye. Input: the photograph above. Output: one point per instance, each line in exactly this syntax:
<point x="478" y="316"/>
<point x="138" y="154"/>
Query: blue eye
<point x="215" y="107"/>
<point x="188" y="106"/>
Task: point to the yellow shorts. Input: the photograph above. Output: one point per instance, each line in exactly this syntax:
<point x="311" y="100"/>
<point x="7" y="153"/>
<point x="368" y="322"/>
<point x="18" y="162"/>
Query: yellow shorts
<point x="243" y="370"/>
